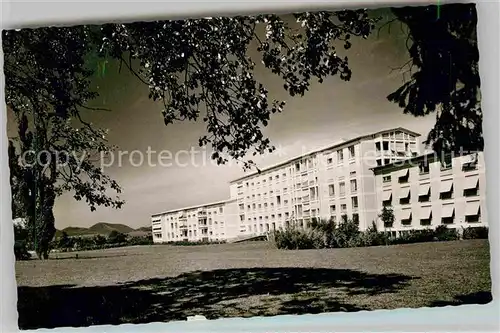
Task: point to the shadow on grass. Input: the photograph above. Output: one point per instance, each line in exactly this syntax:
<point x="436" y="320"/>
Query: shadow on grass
<point x="218" y="293"/>
<point x="482" y="297"/>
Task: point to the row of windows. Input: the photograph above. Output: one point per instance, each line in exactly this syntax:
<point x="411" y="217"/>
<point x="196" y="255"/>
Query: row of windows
<point x="427" y="221"/>
<point x="266" y="227"/>
<point x="343" y="207"/>
<point x="424" y="169"/>
<point x="273" y="216"/>
<point x="340" y="155"/>
<point x="191" y="233"/>
<point x="342" y="187"/>
<point x="189" y="215"/>
<point x="301" y="166"/>
<point x="424" y="195"/>
<point x="201" y="223"/>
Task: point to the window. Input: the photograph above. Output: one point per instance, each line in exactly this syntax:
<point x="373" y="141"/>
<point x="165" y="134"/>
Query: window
<point x="426" y="221"/>
<point x="340" y="156"/>
<point x="329" y="160"/>
<point x="471" y="187"/>
<point x="354" y="202"/>
<point x="242" y="206"/>
<point x="277" y="177"/>
<point x="331" y="190"/>
<point x="352" y="153"/>
<point x="470" y="166"/>
<point x="342" y="189"/>
<point x="253" y="206"/>
<point x="472" y="218"/>
<point x="404" y="176"/>
<point x="297" y="167"/>
<point x="386" y="179"/>
<point x="355" y="218"/>
<point x="446" y="191"/>
<point x="332" y="209"/>
<point x="406" y="220"/>
<point x="387" y="198"/>
<point x="446" y="162"/>
<point x="260" y="206"/>
<point x="447" y="220"/>
<point x="387" y="161"/>
<point x="377" y="146"/>
<point x="385" y="145"/>
<point x="379" y="162"/>
<point x="343" y="207"/>
<point x="354" y="186"/>
<point x="265" y="204"/>
<point x="287" y="214"/>
<point x="426" y="216"/>
<point x="424" y="193"/>
<point x="313" y="192"/>
<point x="278" y="200"/>
<point x="405" y="197"/>
<point x="352" y="173"/>
<point x="423" y="167"/>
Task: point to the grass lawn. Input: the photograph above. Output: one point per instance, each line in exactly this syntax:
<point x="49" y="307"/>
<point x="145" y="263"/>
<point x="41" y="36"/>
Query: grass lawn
<point x="162" y="283"/>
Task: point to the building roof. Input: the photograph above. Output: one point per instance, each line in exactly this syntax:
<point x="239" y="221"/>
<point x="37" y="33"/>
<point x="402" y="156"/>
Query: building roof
<point x="332" y="146"/>
<point x="194" y="207"/>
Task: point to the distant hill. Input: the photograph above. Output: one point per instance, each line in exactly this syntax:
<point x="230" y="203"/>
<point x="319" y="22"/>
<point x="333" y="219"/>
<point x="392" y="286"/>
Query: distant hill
<point x="104" y="229"/>
<point x="76" y="231"/>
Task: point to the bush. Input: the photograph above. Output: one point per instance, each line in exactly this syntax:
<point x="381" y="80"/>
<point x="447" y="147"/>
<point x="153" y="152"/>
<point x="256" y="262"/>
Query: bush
<point x="475" y="233"/>
<point x="325" y="234"/>
<point x="442" y="233"/>
<point x="372" y="237"/>
<point x="293" y="238"/>
<point x="21" y="251"/>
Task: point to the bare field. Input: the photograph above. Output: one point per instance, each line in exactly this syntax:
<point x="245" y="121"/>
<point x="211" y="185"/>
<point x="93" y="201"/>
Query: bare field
<point x="162" y="283"/>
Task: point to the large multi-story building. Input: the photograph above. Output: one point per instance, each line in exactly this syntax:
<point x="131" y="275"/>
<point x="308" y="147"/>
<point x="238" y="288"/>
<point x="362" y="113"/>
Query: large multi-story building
<point x="329" y="182"/>
<point x="353" y="178"/>
<point x="209" y="222"/>
<point x="427" y="191"/>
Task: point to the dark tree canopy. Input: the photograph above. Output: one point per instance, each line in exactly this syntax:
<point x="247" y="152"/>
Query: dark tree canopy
<point x="200" y="68"/>
<point x="444" y="74"/>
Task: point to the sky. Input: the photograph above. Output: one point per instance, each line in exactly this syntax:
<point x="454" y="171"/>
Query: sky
<point x="328" y="112"/>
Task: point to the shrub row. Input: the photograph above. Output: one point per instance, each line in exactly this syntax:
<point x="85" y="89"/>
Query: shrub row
<point x="326" y="234"/>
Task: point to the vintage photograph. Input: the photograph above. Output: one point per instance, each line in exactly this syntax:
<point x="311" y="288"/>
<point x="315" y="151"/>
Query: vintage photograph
<point x="252" y="165"/>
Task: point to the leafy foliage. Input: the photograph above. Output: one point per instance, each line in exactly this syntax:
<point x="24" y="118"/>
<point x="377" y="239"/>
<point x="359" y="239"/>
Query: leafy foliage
<point x="444" y="74"/>
<point x="202" y="68"/>
<point x="324" y="234"/>
<point x="116" y="237"/>
<point x="475" y="233"/>
<point x="387" y="216"/>
<point x="47" y="87"/>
